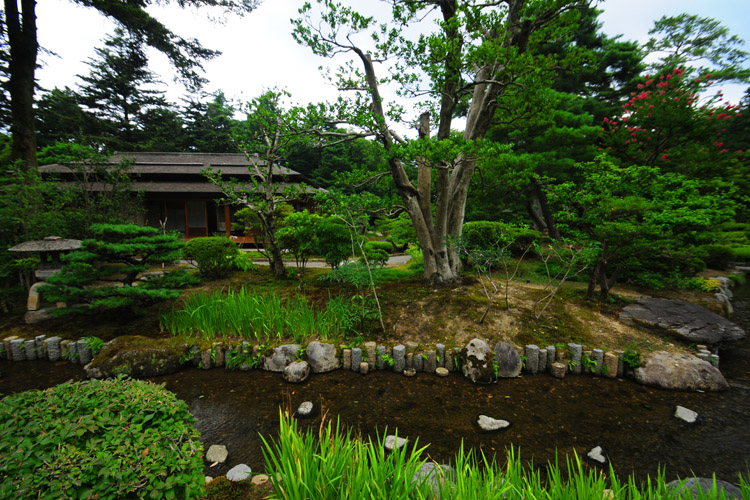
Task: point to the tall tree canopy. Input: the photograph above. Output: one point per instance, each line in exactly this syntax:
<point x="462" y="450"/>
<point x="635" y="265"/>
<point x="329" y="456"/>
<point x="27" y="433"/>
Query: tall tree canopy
<point x="186" y="54"/>
<point x="482" y="57"/>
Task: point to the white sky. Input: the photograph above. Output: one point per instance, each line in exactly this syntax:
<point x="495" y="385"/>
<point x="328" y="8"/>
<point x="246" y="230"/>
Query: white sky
<point x="258" y="51"/>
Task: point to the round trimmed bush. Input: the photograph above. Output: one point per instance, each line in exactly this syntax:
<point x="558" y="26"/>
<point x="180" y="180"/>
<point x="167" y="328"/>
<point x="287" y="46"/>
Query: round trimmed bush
<point x="104" y="439"/>
<point x="214" y="256"/>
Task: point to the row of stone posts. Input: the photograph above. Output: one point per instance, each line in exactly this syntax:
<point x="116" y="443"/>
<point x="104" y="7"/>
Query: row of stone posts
<point x="41" y="347"/>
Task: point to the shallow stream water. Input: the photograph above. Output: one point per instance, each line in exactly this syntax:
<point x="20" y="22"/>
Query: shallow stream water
<point x="633" y="424"/>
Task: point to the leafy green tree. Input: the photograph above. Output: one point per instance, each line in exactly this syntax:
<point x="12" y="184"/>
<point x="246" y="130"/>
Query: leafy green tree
<point x="699" y="45"/>
<point x="634" y="216"/>
<point x="478" y="57"/>
<point x="667" y="124"/>
<point x="104" y="273"/>
<point x="266" y="136"/>
<point x="119" y="92"/>
<point x="186" y="54"/>
<point x="334" y="243"/>
<point x="209" y="126"/>
<point x="60" y="117"/>
<point x="299" y="236"/>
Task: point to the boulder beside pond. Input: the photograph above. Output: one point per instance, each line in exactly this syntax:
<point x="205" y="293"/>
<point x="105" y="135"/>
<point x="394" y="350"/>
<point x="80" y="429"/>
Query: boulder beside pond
<point x="477" y="365"/>
<point x="281" y="357"/>
<point x="322" y="357"/>
<point x="682" y="319"/>
<point x="138" y="356"/>
<point x="680" y="371"/>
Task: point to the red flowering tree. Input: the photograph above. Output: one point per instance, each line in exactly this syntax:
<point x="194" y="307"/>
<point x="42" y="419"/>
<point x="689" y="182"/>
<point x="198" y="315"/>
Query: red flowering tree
<point x="667" y="123"/>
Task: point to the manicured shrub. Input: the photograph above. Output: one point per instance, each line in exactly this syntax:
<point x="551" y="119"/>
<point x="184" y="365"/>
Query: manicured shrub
<point x="377" y="252"/>
<point x="734" y="226"/>
<point x="716" y="256"/>
<point x="741" y="254"/>
<point x="487" y="235"/>
<point x="109" y="439"/>
<point x="214" y="256"/>
<point x="334" y="241"/>
<point x="120" y="256"/>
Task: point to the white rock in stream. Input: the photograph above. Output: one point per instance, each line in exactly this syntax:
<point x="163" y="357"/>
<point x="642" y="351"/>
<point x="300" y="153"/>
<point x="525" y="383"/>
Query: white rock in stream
<point x="217" y="453"/>
<point x="239" y="472"/>
<point x="393" y="442"/>
<point x="597" y="454"/>
<point x="685" y="414"/>
<point x="305" y="409"/>
<point x="491" y="424"/>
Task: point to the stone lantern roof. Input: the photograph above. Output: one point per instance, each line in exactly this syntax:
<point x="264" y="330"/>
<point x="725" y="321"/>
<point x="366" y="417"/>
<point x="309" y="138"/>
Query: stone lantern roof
<point x="48" y="244"/>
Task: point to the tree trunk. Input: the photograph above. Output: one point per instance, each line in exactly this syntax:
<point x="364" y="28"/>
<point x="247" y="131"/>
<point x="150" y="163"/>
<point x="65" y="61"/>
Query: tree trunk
<point x="277" y="261"/>
<point x="23" y="52"/>
<point x="541" y="198"/>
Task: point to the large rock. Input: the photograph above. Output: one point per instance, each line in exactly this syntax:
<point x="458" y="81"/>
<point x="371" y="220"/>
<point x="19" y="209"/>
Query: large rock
<point x="296" y="372"/>
<point x="239" y="472"/>
<point x="508" y="360"/>
<point x="281" y="357"/>
<point x="680" y="371"/>
<point x="477" y="365"/>
<point x="137" y="356"/>
<point x="688" y="321"/>
<point x="706" y="485"/>
<point x="436" y="476"/>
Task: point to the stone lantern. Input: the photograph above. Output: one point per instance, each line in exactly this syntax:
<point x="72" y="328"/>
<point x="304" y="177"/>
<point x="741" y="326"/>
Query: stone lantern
<point x="49" y="250"/>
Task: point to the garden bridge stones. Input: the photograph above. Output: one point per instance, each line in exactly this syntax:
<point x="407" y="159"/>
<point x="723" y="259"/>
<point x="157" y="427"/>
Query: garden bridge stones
<point x="683" y="319"/>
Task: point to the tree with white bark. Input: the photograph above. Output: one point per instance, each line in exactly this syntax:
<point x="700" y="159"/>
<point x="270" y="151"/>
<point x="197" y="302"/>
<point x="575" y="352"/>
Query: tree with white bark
<point x="480" y="61"/>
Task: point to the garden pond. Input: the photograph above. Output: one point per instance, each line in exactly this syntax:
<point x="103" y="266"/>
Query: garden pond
<point x="634" y="424"/>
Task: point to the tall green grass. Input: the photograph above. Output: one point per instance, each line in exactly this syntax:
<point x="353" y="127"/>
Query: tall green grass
<point x="253" y="316"/>
<point x="334" y="464"/>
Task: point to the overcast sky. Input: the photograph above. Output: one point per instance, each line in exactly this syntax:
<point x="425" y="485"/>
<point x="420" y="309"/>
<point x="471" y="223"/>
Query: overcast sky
<point x="258" y="51"/>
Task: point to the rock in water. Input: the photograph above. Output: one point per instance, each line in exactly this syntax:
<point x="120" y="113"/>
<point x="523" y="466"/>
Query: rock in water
<point x="296" y="372"/>
<point x="489" y="424"/>
<point x="508" y="361"/>
<point x="217" y="453"/>
<point x="685" y="414"/>
<point x="706" y="485"/>
<point x="688" y="321"/>
<point x="392" y="442"/>
<point x="680" y="371"/>
<point x="239" y="472"/>
<point x="477" y="365"/>
<point x="305" y="409"/>
<point x="597" y="454"/>
<point x="436" y="475"/>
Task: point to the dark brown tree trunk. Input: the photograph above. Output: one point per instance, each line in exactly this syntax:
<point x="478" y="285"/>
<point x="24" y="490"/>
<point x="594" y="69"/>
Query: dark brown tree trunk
<point x="541" y="198"/>
<point x="23" y="51"/>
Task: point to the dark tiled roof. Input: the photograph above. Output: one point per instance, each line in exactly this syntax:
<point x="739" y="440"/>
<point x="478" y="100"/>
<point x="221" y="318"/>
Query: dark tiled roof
<point x="181" y="172"/>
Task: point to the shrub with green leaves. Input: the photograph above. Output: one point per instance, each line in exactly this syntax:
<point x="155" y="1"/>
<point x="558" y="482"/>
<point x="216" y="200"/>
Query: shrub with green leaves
<point x="716" y="256"/>
<point x="377" y="252"/>
<point x="106" y="273"/>
<point x="486" y="235"/>
<point x="108" y="439"/>
<point x="214" y="256"/>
